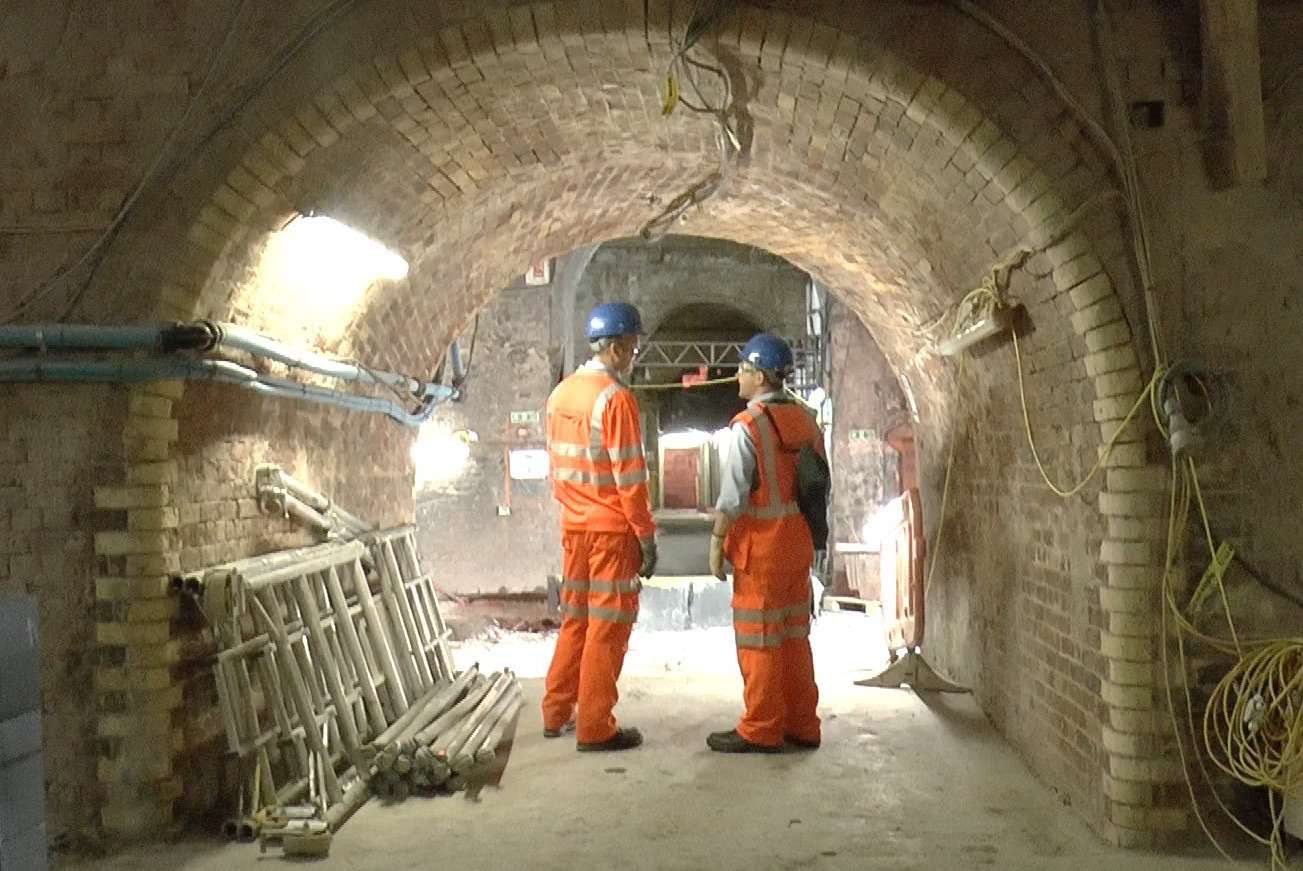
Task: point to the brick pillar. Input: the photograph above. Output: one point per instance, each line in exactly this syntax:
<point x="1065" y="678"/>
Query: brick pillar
<point x="136" y="691"/>
<point x="1143" y="805"/>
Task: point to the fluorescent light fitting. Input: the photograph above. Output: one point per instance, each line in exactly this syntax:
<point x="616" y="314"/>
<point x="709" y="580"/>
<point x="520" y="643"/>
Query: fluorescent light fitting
<point x="997" y="321"/>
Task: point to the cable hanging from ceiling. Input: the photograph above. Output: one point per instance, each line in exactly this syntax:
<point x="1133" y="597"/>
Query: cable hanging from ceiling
<point x="691" y="66"/>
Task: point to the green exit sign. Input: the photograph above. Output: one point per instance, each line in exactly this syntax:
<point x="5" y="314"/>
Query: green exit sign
<point x="524" y="417"/>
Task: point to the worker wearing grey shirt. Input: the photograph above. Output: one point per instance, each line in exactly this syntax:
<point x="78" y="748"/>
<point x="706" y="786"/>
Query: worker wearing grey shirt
<point x="738" y="459"/>
<point x="759" y="525"/>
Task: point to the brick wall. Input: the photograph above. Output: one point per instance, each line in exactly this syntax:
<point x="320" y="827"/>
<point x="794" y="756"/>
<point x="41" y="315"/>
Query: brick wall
<point x="867" y="403"/>
<point x="894" y="157"/>
<point x="362" y="461"/>
<point x="47" y="528"/>
<point x="679" y="271"/>
<point x="458" y="516"/>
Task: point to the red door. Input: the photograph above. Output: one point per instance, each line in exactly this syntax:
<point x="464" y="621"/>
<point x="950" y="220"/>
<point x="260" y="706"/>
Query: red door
<point x="680" y="477"/>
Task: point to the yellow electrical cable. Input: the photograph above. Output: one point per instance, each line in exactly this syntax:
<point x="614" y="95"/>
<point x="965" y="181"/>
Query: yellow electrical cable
<point x="679" y="386"/>
<point x="1271" y="757"/>
<point x="1108" y="447"/>
<point x="934" y="552"/>
<point x="1265" y="755"/>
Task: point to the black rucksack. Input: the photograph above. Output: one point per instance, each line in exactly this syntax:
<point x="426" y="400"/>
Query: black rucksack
<point x="813" y="484"/>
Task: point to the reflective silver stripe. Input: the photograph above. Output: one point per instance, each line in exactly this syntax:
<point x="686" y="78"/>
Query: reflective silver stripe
<point x="600" y="479"/>
<point x="769" y="457"/>
<point x="577" y="612"/>
<point x="629" y="479"/>
<point x="773" y="638"/>
<point x="570" y="449"/>
<point x="613" y="615"/>
<point x="579" y="476"/>
<point x="772" y="513"/>
<point x="769" y="615"/>
<point x="629" y="586"/>
<point x="599" y="455"/>
<point x="748" y="640"/>
<point x="633" y="452"/>
<point x="599" y="410"/>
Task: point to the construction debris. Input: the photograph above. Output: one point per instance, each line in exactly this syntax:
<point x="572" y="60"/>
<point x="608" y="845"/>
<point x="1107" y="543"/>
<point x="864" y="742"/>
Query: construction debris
<point x="335" y="682"/>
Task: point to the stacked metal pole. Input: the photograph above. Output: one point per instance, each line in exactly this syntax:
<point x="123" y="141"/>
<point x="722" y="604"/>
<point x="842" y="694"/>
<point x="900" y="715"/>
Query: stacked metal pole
<point x="336" y="682"/>
<point x="456" y="731"/>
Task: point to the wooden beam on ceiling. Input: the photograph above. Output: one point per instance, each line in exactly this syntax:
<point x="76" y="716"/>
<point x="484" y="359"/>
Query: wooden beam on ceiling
<point x="1232" y="91"/>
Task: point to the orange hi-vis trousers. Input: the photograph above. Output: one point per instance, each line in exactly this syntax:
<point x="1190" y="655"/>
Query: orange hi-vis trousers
<point x="771" y="617"/>
<point x="599" y="604"/>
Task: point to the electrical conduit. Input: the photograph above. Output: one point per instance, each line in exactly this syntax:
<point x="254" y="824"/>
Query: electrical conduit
<point x="204" y="336"/>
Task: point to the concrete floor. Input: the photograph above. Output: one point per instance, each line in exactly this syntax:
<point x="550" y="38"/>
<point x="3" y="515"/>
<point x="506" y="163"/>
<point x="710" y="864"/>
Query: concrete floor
<point x="901" y="783"/>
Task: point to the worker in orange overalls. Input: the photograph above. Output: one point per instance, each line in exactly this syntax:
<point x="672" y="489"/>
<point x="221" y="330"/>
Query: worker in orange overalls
<point x="760" y="528"/>
<point x="599" y="475"/>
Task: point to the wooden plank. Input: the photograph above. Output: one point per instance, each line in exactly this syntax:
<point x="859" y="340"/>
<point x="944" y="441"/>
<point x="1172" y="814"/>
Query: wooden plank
<point x="1232" y="91"/>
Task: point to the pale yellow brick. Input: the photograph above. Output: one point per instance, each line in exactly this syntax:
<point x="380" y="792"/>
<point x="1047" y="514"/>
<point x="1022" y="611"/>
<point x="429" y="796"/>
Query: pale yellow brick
<point x="1127" y="553"/>
<point x="1133" y="577"/>
<point x="120" y="543"/>
<point x="1132" y="504"/>
<point x="1126" y="601"/>
<point x="1150" y="479"/>
<point x="1134" y="674"/>
<point x="160" y="428"/>
<point x="1137" y="528"/>
<point x="144" y="405"/>
<point x="1126" y="648"/>
<point x="116" y="679"/>
<point x="127" y="589"/>
<point x="131" y="497"/>
<point x="1135" y="698"/>
<point x="164" y="472"/>
<point x="141" y="519"/>
<point x="1113" y="360"/>
<point x="1128" y="791"/>
<point x="133" y="633"/>
<point x="1122" y="382"/>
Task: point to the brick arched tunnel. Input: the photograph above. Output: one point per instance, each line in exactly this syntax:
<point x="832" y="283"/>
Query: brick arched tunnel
<point x="896" y="157"/>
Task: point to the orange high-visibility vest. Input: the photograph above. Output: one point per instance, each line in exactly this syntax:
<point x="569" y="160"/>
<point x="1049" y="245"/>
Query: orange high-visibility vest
<point x="599" y="467"/>
<point x="771" y="534"/>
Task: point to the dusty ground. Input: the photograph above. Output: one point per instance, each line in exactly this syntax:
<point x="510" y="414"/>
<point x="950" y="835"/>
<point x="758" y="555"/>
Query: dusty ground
<point x="900" y="784"/>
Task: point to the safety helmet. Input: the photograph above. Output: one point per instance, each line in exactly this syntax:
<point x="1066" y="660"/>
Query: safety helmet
<point x="609" y="320"/>
<point x="767" y="351"/>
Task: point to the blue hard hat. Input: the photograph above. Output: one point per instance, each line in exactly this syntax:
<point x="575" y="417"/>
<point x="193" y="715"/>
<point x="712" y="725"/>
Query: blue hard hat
<point x="612" y="319"/>
<point x="767" y="351"/>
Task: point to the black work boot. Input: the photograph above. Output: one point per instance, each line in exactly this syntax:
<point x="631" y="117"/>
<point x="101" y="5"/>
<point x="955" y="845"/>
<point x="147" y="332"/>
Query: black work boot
<point x="567" y="729"/>
<point x="623" y="739"/>
<point x="802" y="743"/>
<point x="732" y="742"/>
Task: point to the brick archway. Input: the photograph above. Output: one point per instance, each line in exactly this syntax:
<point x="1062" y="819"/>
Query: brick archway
<point x="896" y="167"/>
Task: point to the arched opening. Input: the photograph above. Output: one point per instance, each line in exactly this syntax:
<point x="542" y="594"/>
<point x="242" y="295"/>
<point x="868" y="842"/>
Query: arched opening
<point x="477" y="144"/>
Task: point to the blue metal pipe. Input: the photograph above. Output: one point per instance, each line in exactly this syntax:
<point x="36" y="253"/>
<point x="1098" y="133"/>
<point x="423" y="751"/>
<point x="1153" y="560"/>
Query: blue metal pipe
<point x="39" y="337"/>
<point x="198" y="336"/>
<point x="244" y="339"/>
<point x="224" y="371"/>
<point x="124" y="371"/>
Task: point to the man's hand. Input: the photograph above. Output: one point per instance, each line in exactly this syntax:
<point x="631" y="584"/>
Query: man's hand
<point x="649" y="556"/>
<point x="717" y="556"/>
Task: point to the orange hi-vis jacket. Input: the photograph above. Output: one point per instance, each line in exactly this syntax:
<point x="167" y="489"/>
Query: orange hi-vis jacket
<point x="771" y="535"/>
<point x="599" y="467"/>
